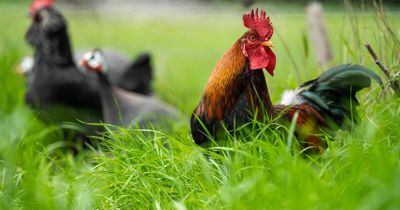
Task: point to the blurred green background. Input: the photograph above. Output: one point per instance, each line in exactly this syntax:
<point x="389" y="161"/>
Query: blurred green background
<point x="129" y="170"/>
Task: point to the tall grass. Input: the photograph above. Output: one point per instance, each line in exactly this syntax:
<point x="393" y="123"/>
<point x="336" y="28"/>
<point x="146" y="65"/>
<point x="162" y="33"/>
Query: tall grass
<point x="259" y="168"/>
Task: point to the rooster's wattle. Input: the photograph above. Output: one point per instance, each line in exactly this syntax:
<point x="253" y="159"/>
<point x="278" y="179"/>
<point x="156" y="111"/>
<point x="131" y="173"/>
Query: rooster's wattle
<point x="237" y="90"/>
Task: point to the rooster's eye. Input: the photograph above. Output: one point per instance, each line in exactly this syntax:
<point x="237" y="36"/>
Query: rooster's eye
<point x="38" y="18"/>
<point x="252" y="38"/>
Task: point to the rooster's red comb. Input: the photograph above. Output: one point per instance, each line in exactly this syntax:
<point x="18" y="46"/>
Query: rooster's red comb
<point x="39" y="4"/>
<point x="259" y="23"/>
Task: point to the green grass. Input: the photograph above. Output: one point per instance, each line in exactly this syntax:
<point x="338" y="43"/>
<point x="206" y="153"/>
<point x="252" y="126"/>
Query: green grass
<point x="257" y="169"/>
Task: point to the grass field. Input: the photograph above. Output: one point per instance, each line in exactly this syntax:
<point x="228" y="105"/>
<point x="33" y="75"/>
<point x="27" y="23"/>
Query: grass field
<point x="261" y="169"/>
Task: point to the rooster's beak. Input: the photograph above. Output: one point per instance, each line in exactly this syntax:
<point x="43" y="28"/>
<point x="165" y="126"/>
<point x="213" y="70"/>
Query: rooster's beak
<point x="268" y="44"/>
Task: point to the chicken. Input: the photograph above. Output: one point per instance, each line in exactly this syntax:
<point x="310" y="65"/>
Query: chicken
<point x="125" y="108"/>
<point x="237" y="91"/>
<point x="55" y="78"/>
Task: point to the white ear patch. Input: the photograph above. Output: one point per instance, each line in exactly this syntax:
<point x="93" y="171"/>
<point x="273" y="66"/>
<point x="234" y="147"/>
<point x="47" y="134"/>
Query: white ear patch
<point x="26" y="65"/>
<point x="96" y="60"/>
<point x="87" y="55"/>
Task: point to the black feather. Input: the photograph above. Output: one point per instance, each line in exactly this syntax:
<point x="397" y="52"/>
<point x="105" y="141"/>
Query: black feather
<point x="139" y="75"/>
<point x="334" y="92"/>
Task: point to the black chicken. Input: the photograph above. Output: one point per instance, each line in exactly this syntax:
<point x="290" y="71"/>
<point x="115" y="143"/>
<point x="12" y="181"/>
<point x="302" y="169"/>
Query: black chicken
<point x="56" y="79"/>
<point x="56" y="87"/>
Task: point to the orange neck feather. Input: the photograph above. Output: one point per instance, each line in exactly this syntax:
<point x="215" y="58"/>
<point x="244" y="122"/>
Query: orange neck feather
<point x="225" y="85"/>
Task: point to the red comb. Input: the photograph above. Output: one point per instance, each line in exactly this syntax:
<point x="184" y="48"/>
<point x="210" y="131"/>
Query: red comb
<point x="39" y="4"/>
<point x="260" y="23"/>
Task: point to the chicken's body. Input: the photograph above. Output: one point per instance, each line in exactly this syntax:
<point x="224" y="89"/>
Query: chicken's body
<point x="214" y="104"/>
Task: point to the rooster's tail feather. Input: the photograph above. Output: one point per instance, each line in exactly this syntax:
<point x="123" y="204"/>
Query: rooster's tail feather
<point x="334" y="92"/>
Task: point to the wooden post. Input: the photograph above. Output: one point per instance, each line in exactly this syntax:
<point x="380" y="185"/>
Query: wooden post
<point x="317" y="33"/>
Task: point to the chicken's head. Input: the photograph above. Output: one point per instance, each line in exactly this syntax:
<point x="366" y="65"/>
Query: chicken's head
<point x="39" y="4"/>
<point x="47" y="23"/>
<point x="256" y="43"/>
<point x="94" y="61"/>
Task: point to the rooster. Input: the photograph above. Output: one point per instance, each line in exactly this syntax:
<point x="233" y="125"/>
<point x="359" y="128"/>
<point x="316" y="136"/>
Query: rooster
<point x="237" y="90"/>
